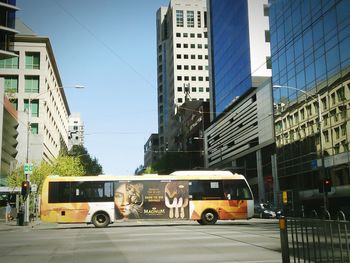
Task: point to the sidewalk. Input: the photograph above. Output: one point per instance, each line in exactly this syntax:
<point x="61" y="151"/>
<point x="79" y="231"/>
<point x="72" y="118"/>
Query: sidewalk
<point x="12" y="225"/>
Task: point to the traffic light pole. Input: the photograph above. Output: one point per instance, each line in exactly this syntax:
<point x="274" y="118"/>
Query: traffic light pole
<point x="26" y="205"/>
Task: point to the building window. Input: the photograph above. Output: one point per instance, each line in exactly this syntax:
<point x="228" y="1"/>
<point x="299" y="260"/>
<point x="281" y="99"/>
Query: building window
<point x="179" y="18"/>
<point x="193" y="78"/>
<point x="31" y="84"/>
<point x="179" y="100"/>
<point x="179" y="78"/>
<point x="178" y="45"/>
<point x="186" y="67"/>
<point x="201" y="89"/>
<point x="193" y="67"/>
<point x="266" y="10"/>
<point x="34" y="128"/>
<point x="199" y="20"/>
<point x="200" y="46"/>
<point x="205" y="19"/>
<point x="185" y="35"/>
<point x="267" y="36"/>
<point x="32" y="60"/>
<point x="192" y="35"/>
<point x="190" y="19"/>
<point x="9" y="62"/>
<point x="187" y="78"/>
<point x="178" y="56"/>
<point x="178" y="66"/>
<point x="193" y="56"/>
<point x="179" y="89"/>
<point x="193" y="46"/>
<point x="200" y="67"/>
<point x="185" y="56"/>
<point x="199" y="35"/>
<point x="200" y="57"/>
<point x="194" y="89"/>
<point x="14" y="103"/>
<point x="178" y="34"/>
<point x="11" y="84"/>
<point x="268" y="63"/>
<point x="34" y="109"/>
<point x="185" y="45"/>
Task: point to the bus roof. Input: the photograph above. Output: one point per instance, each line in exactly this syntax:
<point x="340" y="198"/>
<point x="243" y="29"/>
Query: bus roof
<point x="178" y="175"/>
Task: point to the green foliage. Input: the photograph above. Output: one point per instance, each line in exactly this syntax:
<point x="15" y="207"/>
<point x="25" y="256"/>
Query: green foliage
<point x="144" y="170"/>
<point x="173" y="161"/>
<point x="91" y="165"/>
<point x="68" y="166"/>
<point x="149" y="170"/>
<point x="63" y="166"/>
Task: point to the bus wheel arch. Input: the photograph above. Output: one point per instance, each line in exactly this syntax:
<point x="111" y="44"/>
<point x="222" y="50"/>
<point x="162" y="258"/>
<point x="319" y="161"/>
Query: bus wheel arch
<point x="209" y="217"/>
<point x="100" y="219"/>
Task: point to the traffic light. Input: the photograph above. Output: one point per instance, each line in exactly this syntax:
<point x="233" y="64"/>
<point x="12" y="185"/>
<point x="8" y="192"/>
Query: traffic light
<point x="327" y="185"/>
<point x="25" y="188"/>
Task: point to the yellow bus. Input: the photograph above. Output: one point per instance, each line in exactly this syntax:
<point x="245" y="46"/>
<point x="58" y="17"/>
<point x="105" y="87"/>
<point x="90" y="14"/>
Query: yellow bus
<point x="205" y="196"/>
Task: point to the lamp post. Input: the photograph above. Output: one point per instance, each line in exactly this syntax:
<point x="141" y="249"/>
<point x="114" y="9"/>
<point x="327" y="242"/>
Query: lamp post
<point x="29" y="112"/>
<point x="320" y="130"/>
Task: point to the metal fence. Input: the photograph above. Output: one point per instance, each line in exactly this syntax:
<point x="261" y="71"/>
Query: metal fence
<point x="314" y="239"/>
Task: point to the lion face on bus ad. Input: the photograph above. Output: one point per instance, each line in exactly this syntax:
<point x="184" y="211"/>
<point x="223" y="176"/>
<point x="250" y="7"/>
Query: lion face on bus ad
<point x="176" y="199"/>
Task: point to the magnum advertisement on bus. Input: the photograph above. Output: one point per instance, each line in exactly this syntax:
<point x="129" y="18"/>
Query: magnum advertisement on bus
<point x="151" y="200"/>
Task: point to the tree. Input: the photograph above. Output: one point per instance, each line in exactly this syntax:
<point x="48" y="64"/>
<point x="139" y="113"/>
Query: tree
<point x="63" y="166"/>
<point x="91" y="165"/>
<point x="173" y="161"/>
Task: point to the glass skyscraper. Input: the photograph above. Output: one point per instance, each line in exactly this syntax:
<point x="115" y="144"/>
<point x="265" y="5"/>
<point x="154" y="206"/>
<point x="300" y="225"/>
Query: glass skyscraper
<point x="310" y="53"/>
<point x="231" y="52"/>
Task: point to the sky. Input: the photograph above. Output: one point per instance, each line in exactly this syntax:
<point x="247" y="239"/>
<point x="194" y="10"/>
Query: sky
<point x="109" y="47"/>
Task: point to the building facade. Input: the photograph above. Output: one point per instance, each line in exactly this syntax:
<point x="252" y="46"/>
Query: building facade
<point x="193" y="119"/>
<point x="33" y="85"/>
<point x="311" y="74"/>
<point x="182" y="61"/>
<point x="8" y="136"/>
<point x="7" y="23"/>
<point x="240" y="49"/>
<point x="151" y="149"/>
<point x="240" y="137"/>
<point x="75" y="130"/>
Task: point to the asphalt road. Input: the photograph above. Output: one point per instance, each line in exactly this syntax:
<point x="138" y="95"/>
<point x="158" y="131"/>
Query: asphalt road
<point x="254" y="241"/>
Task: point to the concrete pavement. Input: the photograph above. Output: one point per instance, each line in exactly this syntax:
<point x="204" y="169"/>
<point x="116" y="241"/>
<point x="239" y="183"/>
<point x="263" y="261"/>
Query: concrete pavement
<point x="38" y="224"/>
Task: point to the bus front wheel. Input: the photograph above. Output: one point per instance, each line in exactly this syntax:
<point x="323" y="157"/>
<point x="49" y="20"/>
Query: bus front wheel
<point x="100" y="219"/>
<point x="209" y="217"/>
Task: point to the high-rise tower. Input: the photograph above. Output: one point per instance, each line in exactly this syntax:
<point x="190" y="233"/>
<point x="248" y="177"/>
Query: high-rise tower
<point x="182" y="60"/>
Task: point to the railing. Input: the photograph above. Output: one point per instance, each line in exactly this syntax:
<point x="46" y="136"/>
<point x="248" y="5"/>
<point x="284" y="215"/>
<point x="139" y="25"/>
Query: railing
<point x="314" y="239"/>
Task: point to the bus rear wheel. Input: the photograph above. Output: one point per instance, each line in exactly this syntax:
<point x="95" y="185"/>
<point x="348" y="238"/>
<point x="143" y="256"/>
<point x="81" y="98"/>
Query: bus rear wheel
<point x="100" y="219"/>
<point x="209" y="217"/>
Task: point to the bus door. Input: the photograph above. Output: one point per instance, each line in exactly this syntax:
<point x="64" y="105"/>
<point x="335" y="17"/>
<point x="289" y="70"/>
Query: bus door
<point x="236" y="194"/>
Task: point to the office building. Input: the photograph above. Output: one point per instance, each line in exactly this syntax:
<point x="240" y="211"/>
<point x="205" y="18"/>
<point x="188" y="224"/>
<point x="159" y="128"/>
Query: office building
<point x="7" y="27"/>
<point x="8" y="136"/>
<point x="182" y="61"/>
<point x="311" y="76"/>
<point x="75" y="130"/>
<point x="33" y="85"/>
<point x="240" y="137"/>
<point x="151" y="149"/>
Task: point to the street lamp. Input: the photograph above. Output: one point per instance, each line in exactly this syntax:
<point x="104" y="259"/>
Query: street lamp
<point x="27" y="175"/>
<point x="320" y="130"/>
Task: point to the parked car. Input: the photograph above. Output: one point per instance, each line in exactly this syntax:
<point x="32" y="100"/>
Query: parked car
<point x="265" y="210"/>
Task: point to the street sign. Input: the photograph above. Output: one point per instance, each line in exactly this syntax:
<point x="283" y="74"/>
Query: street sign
<point x="28" y="168"/>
